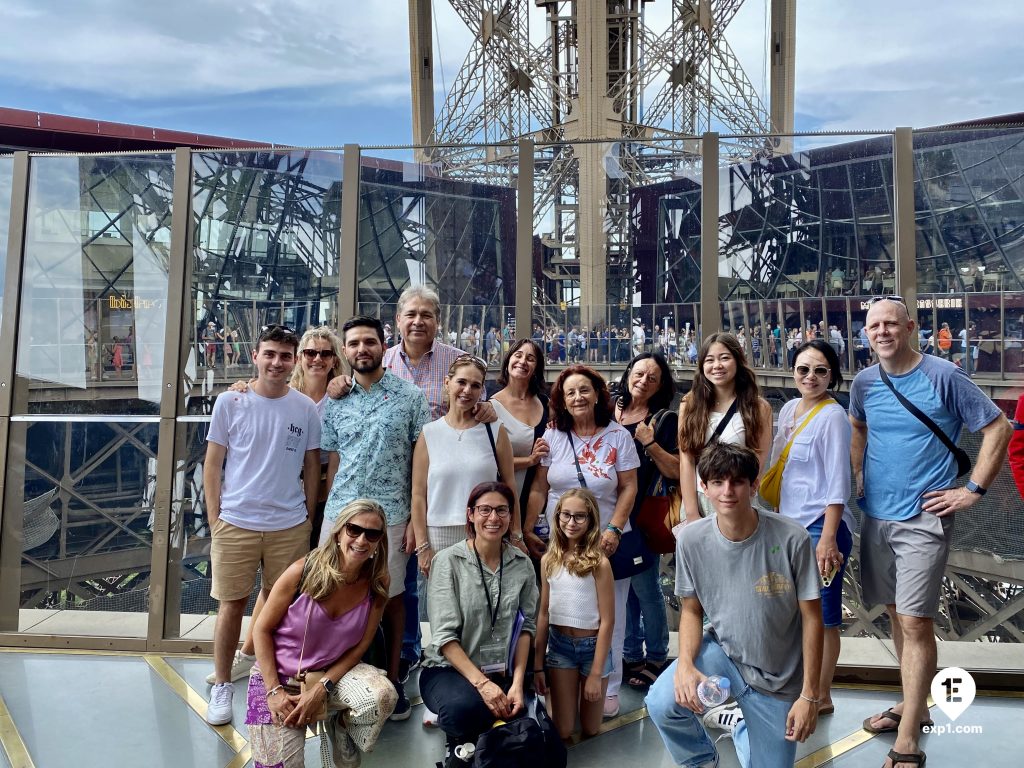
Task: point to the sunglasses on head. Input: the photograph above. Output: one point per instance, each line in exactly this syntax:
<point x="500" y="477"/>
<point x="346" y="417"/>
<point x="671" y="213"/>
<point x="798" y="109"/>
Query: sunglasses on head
<point x="890" y="297"/>
<point x="313" y="354"/>
<point x="274" y="327"/>
<point x="819" y="370"/>
<point x="371" y="534"/>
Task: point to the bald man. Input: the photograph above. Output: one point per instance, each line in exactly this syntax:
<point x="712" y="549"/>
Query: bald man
<point x="907" y="480"/>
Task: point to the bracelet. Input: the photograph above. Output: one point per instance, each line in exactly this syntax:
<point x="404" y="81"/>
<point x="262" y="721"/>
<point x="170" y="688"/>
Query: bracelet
<point x="482" y="683"/>
<point x="648" y="445"/>
<point x="422" y="547"/>
<point x="274" y="690"/>
<point x="539" y="671"/>
<point x="614" y="529"/>
<point x="808" y="698"/>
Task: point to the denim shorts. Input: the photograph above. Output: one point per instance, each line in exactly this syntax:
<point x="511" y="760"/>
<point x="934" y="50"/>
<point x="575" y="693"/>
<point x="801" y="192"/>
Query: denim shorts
<point x="832" y="595"/>
<point x="566" y="652"/>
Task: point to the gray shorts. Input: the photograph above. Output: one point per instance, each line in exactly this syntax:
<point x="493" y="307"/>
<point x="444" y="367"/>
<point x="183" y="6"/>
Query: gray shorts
<point x="902" y="562"/>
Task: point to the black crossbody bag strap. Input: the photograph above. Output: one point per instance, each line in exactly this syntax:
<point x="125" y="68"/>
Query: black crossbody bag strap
<point x="963" y="461"/>
<point x="494" y="452"/>
<point x="576" y="461"/>
<point x="722" y="424"/>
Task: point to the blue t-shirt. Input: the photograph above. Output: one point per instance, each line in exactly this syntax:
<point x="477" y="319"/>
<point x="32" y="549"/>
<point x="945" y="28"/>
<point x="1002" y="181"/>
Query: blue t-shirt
<point x="903" y="459"/>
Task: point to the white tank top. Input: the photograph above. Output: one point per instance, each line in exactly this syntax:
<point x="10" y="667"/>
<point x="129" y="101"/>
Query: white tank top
<point x="456" y="466"/>
<point x="735" y="433"/>
<point x="573" y="600"/>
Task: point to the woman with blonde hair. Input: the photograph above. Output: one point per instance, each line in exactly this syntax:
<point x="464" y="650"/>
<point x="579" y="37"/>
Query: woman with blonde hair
<point x="724" y="404"/>
<point x="318" y="622"/>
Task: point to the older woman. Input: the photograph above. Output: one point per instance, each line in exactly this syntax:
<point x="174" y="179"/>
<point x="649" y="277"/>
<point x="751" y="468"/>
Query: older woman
<point x="588" y="448"/>
<point x="453" y="455"/>
<point x="816" y="484"/>
<point x="522" y="407"/>
<point x="643" y="406"/>
<point x="477" y="587"/>
<point x="320" y="618"/>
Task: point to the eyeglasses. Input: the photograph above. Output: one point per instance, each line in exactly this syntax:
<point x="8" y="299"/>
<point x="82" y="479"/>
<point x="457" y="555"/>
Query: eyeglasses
<point x="313" y="354"/>
<point x="890" y="297"/>
<point x="579" y="517"/>
<point x="371" y="534"/>
<point x="820" y="371"/>
<point x="486" y="510"/>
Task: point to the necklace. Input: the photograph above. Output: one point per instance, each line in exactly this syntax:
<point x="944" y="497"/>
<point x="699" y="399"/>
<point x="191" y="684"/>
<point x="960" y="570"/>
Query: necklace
<point x="460" y="432"/>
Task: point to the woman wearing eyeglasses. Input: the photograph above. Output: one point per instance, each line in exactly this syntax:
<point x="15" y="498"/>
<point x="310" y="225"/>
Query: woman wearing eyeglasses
<point x="588" y="448"/>
<point x="474" y="670"/>
<point x="453" y="455"/>
<point x="816" y="484"/>
<point x="321" y="617"/>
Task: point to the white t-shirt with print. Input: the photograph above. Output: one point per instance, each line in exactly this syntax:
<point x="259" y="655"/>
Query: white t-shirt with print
<point x="266" y="441"/>
<point x="601" y="458"/>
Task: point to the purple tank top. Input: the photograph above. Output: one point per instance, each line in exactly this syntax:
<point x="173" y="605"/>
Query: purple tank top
<point x="326" y="638"/>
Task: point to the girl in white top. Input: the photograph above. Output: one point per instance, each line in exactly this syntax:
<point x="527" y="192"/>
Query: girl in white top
<point x="816" y="486"/>
<point x="723" y="377"/>
<point x="453" y="456"/>
<point x="576" y="616"/>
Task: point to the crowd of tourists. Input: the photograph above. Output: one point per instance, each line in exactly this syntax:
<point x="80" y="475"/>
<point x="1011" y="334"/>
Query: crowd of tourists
<point x="526" y="528"/>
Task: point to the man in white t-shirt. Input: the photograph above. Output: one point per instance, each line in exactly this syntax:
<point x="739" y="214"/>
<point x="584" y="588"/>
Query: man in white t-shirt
<point x="260" y="513"/>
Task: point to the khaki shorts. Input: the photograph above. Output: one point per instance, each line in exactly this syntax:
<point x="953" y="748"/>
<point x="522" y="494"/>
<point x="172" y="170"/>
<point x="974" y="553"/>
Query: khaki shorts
<point x="397" y="558"/>
<point x="902" y="562"/>
<point x="236" y="553"/>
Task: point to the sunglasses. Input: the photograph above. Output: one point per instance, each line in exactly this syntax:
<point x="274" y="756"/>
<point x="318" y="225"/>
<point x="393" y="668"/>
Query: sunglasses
<point x="469" y="359"/>
<point x="371" y="534"/>
<point x="485" y="510"/>
<point x="313" y="354"/>
<point x="274" y="327"/>
<point x="890" y="297"/>
<point x="820" y="371"/>
<point x="579" y="517"/>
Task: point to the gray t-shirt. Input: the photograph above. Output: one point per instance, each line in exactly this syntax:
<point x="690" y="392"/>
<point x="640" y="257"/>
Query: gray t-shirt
<point x="750" y="591"/>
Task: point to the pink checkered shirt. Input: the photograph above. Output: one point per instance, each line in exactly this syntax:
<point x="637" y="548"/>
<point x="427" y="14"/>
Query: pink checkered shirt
<point x="428" y="375"/>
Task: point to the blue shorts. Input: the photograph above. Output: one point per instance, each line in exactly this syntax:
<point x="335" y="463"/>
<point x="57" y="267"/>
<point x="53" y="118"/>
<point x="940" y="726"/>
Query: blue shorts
<point x="832" y="596"/>
<point x="577" y="653"/>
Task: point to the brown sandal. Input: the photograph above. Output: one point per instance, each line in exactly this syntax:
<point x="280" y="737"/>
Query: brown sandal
<point x="889" y="715"/>
<point x="644" y="677"/>
<point x="912" y="758"/>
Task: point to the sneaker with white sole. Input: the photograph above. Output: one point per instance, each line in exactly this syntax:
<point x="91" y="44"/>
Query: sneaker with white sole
<point x="724" y="717"/>
<point x="241" y="665"/>
<point x="219" y="710"/>
<point x="402" y="707"/>
<point x="611" y="706"/>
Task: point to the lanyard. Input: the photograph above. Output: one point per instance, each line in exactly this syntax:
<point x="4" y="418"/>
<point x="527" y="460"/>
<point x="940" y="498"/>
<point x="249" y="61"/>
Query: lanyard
<point x="492" y="610"/>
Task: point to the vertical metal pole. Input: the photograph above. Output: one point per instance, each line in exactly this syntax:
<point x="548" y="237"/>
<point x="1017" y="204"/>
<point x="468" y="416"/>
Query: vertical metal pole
<point x="421" y="71"/>
<point x="524" y="240"/>
<point x="782" y="71"/>
<point x="903" y="211"/>
<point x="348" y="288"/>
<point x="165" y="581"/>
<point x="710" y="311"/>
<point x="12" y="449"/>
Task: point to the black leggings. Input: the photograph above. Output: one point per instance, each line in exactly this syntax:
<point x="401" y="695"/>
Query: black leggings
<point x="461" y="712"/>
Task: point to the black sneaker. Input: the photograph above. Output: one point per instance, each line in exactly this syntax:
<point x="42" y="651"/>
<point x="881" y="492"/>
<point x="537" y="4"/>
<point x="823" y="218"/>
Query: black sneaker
<point x="404" y="668"/>
<point x="402" y="708"/>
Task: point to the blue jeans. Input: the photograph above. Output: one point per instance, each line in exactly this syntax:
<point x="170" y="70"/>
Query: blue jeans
<point x="411" y="637"/>
<point x="760" y="740"/>
<point x="646" y="601"/>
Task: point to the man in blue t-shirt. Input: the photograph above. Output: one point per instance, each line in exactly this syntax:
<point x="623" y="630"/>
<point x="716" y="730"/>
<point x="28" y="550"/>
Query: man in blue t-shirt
<point x="907" y="480"/>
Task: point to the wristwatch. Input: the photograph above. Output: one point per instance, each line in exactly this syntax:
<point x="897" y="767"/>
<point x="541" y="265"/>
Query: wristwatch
<point x="327" y="683"/>
<point x="516" y="537"/>
<point x="973" y="487"/>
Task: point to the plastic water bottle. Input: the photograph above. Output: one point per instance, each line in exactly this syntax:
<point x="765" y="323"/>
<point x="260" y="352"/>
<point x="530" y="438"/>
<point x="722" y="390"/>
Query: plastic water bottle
<point x="713" y="690"/>
<point x="542" y="528"/>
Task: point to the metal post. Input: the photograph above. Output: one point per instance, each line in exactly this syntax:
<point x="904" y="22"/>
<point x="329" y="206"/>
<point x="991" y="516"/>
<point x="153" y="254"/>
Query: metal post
<point x="348" y="288"/>
<point x="710" y="312"/>
<point x="903" y="211"/>
<point x="524" y="240"/>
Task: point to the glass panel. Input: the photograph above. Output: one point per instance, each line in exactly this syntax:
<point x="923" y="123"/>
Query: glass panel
<point x="6" y="180"/>
<point x="1013" y="335"/>
<point x="86" y="526"/>
<point x="93" y="307"/>
<point x="268" y="228"/>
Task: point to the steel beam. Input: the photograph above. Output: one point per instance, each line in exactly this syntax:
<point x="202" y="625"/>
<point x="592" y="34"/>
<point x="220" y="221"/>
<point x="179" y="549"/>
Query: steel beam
<point x="903" y="186"/>
<point x="710" y="311"/>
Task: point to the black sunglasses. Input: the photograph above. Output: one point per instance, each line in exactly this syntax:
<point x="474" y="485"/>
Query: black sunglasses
<point x="890" y="297"/>
<point x="313" y="354"/>
<point x="371" y="534"/>
<point x="275" y="327"/>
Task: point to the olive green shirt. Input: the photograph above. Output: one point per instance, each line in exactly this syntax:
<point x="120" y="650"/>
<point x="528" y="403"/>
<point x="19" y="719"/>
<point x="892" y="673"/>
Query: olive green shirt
<point x="457" y="605"/>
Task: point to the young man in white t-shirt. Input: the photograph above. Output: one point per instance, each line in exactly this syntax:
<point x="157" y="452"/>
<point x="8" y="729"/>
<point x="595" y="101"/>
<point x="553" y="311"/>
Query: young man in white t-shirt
<point x="260" y="514"/>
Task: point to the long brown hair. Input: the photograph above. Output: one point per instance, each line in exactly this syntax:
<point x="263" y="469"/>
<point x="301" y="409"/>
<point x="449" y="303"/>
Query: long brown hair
<point x="700" y="400"/>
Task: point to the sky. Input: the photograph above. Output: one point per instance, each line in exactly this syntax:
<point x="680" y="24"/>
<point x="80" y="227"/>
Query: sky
<point x="331" y="72"/>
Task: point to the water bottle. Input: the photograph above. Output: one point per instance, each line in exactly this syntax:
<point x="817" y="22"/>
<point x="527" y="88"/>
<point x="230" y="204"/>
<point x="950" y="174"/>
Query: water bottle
<point x="541" y="528"/>
<point x="713" y="690"/>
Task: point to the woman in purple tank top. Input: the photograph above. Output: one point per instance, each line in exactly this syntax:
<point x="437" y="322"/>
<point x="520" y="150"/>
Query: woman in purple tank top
<point x="321" y="616"/>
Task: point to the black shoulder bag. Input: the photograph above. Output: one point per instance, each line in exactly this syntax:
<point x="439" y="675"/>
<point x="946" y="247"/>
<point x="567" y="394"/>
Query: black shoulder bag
<point x="631" y="556"/>
<point x="963" y="461"/>
<point x="494" y="452"/>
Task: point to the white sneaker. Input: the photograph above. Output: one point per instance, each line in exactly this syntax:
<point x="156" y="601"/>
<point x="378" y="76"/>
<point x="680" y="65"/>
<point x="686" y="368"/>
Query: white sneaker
<point x="241" y="665"/>
<point x="219" y="710"/>
<point x="724" y="717"/>
<point x="429" y="718"/>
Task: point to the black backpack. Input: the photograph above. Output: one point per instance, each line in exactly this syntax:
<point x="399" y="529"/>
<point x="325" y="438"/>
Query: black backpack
<point x="530" y="740"/>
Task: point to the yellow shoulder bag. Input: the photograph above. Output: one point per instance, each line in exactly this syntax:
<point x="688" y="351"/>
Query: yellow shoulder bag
<point x="771" y="482"/>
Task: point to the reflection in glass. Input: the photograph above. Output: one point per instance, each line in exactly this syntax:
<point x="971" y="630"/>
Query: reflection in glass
<point x="87" y="525"/>
<point x="94" y="289"/>
<point x="6" y="180"/>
